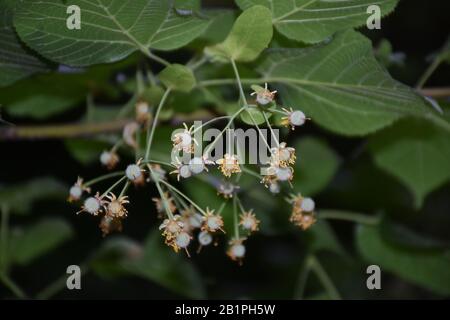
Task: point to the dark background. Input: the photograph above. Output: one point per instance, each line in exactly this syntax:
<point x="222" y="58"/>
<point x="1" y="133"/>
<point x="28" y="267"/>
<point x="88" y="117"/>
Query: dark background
<point x="417" y="28"/>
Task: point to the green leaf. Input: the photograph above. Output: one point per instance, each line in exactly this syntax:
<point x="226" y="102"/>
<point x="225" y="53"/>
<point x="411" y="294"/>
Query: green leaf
<point x="322" y="238"/>
<point x="415" y="152"/>
<point x="257" y="115"/>
<point x="163" y="266"/>
<point x="19" y="197"/>
<point x="429" y="268"/>
<point x="313" y="20"/>
<point x="178" y="77"/>
<point x="108" y="259"/>
<point x="110" y="29"/>
<point x="340" y="85"/>
<point x="86" y="151"/>
<point x="222" y="21"/>
<point x="39" y="239"/>
<point x="16" y="61"/>
<point x="316" y="165"/>
<point x="251" y="34"/>
<point x="383" y="52"/>
<point x="49" y="94"/>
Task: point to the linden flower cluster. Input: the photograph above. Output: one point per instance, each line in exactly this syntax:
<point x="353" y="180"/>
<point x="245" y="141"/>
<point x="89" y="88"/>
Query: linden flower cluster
<point x="182" y="220"/>
<point x="282" y="157"/>
<point x="179" y="229"/>
<point x="303" y="214"/>
<point x="108" y="206"/>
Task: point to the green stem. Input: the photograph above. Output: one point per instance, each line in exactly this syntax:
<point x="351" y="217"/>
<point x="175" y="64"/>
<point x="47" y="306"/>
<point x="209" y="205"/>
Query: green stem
<point x="270" y="128"/>
<point x="11" y="285"/>
<point x="235" y="218"/>
<point x="161" y="193"/>
<point x="179" y="200"/>
<point x="195" y="65"/>
<point x="210" y="121"/>
<point x="222" y="206"/>
<point x="241" y="207"/>
<point x="430" y="70"/>
<point x="155" y="120"/>
<point x="238" y="79"/>
<point x="259" y="129"/>
<point x="438" y="121"/>
<point x="326" y="281"/>
<point x="117" y="145"/>
<point x="4" y="239"/>
<point x="158" y="162"/>
<point x="212" y="144"/>
<point x="128" y="107"/>
<point x="348" y="216"/>
<point x="156" y="58"/>
<point x="124" y="189"/>
<point x="184" y="196"/>
<point x="113" y="186"/>
<point x="251" y="172"/>
<point x="219" y="82"/>
<point x="102" y="178"/>
<point x="302" y="279"/>
<point x="244" y="99"/>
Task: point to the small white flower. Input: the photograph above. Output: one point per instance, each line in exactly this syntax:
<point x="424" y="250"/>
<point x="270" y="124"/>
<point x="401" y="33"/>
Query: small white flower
<point x="183" y="239"/>
<point x="212" y="222"/>
<point x="282" y="155"/>
<point x="274" y="187"/>
<point x="133" y="172"/>
<point x="75" y="192"/>
<point x="185" y="171"/>
<point x="184" y="140"/>
<point x="293" y="118"/>
<point x="205" y="238"/>
<point x="142" y="107"/>
<point x="105" y="157"/>
<point x="229" y="164"/>
<point x="92" y="205"/>
<point x="263" y="95"/>
<point x="238" y="250"/>
<point x="196" y="165"/>
<point x="109" y="159"/>
<point x="196" y="220"/>
<point x="172" y="226"/>
<point x="249" y="221"/>
<point x="308" y="205"/>
<point x="182" y="170"/>
<point x="284" y="174"/>
<point x="297" y="118"/>
<point x="227" y="189"/>
<point x="129" y="134"/>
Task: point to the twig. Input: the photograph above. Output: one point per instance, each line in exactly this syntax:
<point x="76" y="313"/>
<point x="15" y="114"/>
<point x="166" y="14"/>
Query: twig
<point x="61" y="131"/>
<point x="438" y="92"/>
<point x="11" y="285"/>
<point x="324" y="278"/>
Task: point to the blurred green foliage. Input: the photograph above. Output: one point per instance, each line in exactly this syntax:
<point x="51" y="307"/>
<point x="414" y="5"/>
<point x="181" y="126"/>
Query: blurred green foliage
<point x="376" y="155"/>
